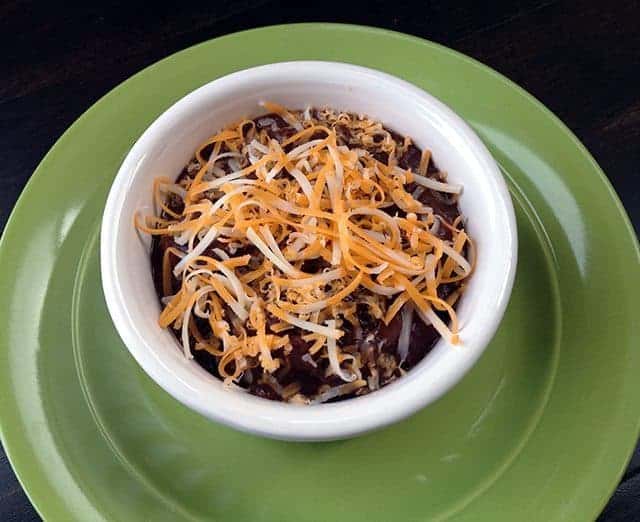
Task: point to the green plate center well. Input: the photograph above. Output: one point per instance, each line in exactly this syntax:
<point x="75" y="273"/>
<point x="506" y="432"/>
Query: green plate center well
<point x="540" y="428"/>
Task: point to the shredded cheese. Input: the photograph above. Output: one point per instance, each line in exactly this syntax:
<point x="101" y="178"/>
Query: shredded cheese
<point x="273" y="237"/>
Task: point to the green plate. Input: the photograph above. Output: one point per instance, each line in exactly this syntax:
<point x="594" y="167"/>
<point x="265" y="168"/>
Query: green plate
<point x="540" y="429"/>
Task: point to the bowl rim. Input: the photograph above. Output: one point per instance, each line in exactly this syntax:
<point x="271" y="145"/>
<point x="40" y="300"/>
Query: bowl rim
<point x="281" y="420"/>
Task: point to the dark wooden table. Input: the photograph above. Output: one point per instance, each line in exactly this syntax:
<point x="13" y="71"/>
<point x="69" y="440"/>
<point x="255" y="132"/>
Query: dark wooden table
<point x="581" y="59"/>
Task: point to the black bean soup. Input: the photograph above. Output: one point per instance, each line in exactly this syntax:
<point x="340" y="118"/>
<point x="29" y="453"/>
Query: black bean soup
<point x="372" y="339"/>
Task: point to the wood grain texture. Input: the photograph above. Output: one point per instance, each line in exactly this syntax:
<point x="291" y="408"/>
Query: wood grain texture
<point x="581" y="59"/>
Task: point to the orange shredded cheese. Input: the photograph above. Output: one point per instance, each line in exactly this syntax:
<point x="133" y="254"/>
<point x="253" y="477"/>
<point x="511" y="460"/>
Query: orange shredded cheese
<point x="253" y="212"/>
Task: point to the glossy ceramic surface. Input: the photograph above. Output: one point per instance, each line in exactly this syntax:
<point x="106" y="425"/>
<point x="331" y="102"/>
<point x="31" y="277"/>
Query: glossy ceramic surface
<point x="168" y="144"/>
<point x="541" y="428"/>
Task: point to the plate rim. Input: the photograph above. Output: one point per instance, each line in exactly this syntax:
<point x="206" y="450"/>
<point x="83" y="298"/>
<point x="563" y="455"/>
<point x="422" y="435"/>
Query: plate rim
<point x="19" y="463"/>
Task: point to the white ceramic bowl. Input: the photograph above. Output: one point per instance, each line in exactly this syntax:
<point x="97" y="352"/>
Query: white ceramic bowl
<point x="168" y="144"/>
